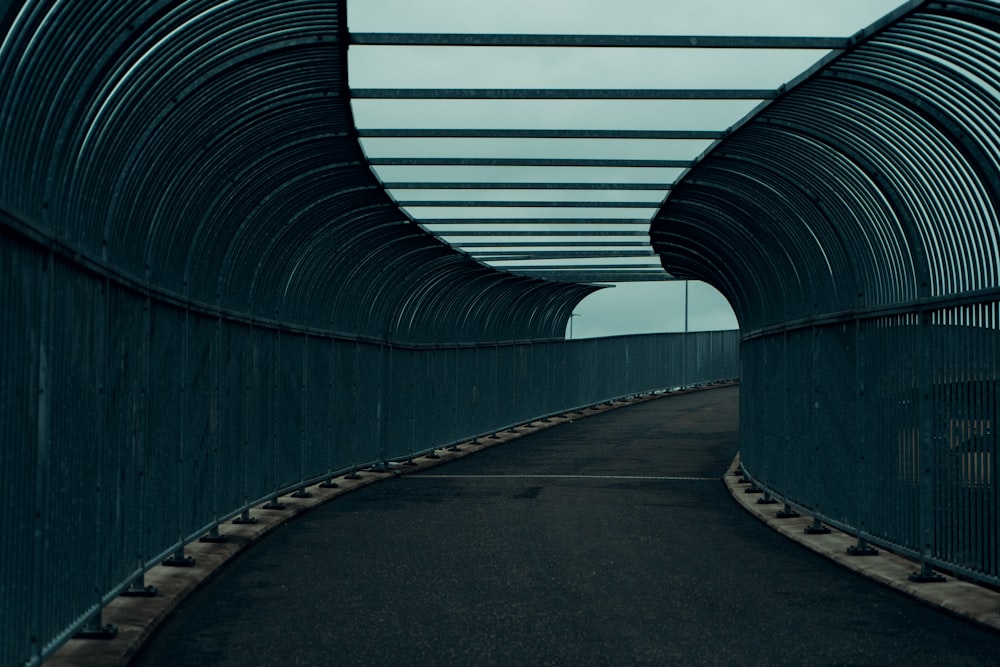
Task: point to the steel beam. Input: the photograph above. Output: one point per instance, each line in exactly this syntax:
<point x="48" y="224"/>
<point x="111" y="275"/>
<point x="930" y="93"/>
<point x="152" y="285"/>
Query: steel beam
<point x="527" y="162"/>
<point x="459" y="133"/>
<point x="469" y="203"/>
<point x="590" y="41"/>
<point x="584" y="277"/>
<point x="551" y="244"/>
<point x="561" y="94"/>
<point x="515" y="254"/>
<point x="536" y="233"/>
<point x="535" y="221"/>
<point x="458" y="185"/>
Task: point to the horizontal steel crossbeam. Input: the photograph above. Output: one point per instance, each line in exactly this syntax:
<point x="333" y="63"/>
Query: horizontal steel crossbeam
<point x="542" y="134"/>
<point x="589" y="276"/>
<point x="617" y="41"/>
<point x="536" y="221"/>
<point x="551" y="244"/>
<point x="448" y="185"/>
<point x="526" y="204"/>
<point x="527" y="162"/>
<point x="561" y="94"/>
<point x="494" y="255"/>
<point x="593" y="267"/>
<point x="536" y="233"/>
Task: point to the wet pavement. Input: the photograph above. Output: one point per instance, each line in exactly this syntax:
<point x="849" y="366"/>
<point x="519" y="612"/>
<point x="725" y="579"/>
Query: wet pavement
<point x="608" y="540"/>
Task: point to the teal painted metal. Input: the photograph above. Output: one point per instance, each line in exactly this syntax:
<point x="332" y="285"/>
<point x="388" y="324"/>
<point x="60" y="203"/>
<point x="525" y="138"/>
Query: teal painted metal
<point x="606" y="41"/>
<point x="210" y="152"/>
<point x="208" y="301"/>
<point x="853" y="225"/>
<point x="134" y="424"/>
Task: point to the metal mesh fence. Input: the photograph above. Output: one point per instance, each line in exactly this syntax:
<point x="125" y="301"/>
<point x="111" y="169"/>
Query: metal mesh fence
<point x="135" y="423"/>
<point x="853" y="226"/>
<point x="885" y="426"/>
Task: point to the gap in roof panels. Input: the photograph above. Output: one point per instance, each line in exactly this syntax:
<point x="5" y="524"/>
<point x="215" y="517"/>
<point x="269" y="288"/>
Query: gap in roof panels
<point x="500" y="130"/>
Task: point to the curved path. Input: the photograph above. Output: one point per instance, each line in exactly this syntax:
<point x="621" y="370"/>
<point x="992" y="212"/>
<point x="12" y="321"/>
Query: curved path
<point x="609" y="540"/>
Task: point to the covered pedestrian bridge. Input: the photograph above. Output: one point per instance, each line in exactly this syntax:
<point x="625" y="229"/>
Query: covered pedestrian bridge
<point x="210" y="300"/>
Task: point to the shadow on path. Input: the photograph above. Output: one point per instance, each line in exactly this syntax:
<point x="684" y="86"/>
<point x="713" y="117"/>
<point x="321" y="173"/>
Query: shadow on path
<point x="609" y="540"/>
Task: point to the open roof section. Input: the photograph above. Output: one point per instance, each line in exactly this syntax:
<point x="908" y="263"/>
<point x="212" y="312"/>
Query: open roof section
<point x="494" y="141"/>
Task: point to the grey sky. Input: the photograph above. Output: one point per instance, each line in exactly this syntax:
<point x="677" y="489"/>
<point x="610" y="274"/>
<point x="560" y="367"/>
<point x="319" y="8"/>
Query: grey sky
<point x="629" y="307"/>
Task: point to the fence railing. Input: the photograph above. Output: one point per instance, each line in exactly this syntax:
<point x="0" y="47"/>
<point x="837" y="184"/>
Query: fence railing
<point x="132" y="423"/>
<point x="885" y="425"/>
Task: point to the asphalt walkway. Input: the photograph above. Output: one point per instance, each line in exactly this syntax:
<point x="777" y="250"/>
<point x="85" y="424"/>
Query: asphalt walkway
<point x="604" y="541"/>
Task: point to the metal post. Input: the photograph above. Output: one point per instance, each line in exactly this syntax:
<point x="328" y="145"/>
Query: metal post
<point x="139" y="589"/>
<point x="273" y="504"/>
<point x="42" y="357"/>
<point x="817" y="528"/>
<point x="383" y="406"/>
<point x="862" y="548"/>
<point x="178" y="559"/>
<point x="303" y="419"/>
<point x="245" y="518"/>
<point x="767" y="500"/>
<point x="787" y="512"/>
<point x="95" y="628"/>
<point x="927" y="470"/>
<point x="686" y="284"/>
<point x="213" y="536"/>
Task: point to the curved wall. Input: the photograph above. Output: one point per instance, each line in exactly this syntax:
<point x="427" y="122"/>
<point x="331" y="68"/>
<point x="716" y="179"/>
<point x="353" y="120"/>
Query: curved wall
<point x="206" y="149"/>
<point x="208" y="301"/>
<point x="853" y="226"/>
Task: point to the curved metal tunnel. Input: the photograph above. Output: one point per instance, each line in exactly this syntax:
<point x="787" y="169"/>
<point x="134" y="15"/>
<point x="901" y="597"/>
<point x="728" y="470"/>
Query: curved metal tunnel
<point x="873" y="184"/>
<point x="209" y="301"/>
<point x="209" y="151"/>
<point x="853" y="226"/>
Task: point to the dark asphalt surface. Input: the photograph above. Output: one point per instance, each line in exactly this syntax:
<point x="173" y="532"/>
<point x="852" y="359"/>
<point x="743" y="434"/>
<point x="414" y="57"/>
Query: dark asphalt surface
<point x="456" y="567"/>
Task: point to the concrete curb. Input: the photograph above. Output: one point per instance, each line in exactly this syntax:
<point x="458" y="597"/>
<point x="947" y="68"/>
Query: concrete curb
<point x="965" y="599"/>
<point x="137" y="618"/>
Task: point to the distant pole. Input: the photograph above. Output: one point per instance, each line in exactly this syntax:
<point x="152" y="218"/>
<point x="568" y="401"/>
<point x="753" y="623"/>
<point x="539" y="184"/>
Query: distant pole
<point x="686" y="283"/>
<point x="572" y="315"/>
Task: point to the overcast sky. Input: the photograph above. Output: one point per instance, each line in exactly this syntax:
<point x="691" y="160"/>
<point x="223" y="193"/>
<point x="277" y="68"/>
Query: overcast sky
<point x="628" y="307"/>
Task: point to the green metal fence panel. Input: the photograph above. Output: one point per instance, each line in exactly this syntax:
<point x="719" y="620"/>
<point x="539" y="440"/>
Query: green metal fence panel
<point x="867" y="284"/>
<point x="199" y="445"/>
<point x="22" y="455"/>
<point x="136" y="423"/>
<point x="317" y="399"/>
<point x="289" y="415"/>
<point x="261" y="416"/>
<point x="208" y="300"/>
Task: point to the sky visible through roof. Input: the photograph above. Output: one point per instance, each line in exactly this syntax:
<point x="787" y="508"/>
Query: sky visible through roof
<point x="558" y="229"/>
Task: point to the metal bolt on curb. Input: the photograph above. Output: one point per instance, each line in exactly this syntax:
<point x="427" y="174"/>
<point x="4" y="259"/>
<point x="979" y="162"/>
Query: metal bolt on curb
<point x="245" y="518"/>
<point x="787" y="513"/>
<point x="817" y="528"/>
<point x="213" y="536"/>
<point x="178" y="559"/>
<point x="862" y="548"/>
<point x="273" y="504"/>
<point x="926" y="575"/>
